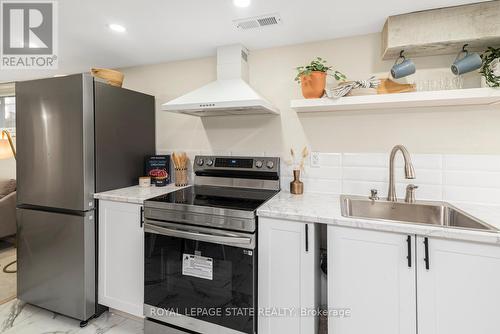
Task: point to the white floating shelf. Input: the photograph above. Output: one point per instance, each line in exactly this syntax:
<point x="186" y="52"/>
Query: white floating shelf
<point x="456" y="97"/>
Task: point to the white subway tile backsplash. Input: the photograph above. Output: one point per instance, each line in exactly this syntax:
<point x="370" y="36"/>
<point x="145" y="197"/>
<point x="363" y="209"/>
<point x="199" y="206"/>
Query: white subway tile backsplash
<point x="382" y="175"/>
<point x="472" y="195"/>
<point x="463" y="178"/>
<point x="424" y="192"/>
<point x="286" y="171"/>
<point x="472" y="179"/>
<point x="322" y="186"/>
<point x="419" y="161"/>
<point x="362" y="188"/>
<point x="375" y="174"/>
<point x="451" y="177"/>
<point x="365" y="160"/>
<point x="489" y="163"/>
<point x="285" y="183"/>
<point x="422" y="161"/>
<point x="423" y="176"/>
<point x="329" y="173"/>
<point x="330" y="159"/>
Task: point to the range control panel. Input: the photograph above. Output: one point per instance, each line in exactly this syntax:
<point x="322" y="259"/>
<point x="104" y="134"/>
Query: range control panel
<point x="211" y="163"/>
<point x="233" y="163"/>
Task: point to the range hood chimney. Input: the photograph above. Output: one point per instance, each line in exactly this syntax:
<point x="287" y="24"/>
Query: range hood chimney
<point x="230" y="94"/>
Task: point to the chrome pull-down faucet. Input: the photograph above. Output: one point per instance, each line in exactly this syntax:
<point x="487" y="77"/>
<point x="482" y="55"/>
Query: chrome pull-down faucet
<point x="409" y="170"/>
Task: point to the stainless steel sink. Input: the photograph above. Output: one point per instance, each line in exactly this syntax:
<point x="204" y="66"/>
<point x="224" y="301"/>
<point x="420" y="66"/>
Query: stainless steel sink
<point x="420" y="212"/>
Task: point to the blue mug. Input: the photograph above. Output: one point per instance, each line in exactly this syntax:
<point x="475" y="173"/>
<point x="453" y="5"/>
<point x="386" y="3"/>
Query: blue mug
<point x="403" y="69"/>
<point x="470" y="62"/>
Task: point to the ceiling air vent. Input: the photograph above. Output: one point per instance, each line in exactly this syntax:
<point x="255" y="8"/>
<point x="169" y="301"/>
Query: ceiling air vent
<point x="258" y="21"/>
<point x="267" y="21"/>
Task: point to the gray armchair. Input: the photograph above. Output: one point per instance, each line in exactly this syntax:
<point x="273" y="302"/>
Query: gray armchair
<point x="7" y="208"/>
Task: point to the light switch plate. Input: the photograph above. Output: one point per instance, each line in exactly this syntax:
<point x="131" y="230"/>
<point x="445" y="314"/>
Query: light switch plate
<point x="315" y="159"/>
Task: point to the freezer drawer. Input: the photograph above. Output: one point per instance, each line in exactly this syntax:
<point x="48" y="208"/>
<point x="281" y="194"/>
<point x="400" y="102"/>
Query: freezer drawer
<point x="56" y="261"/>
<point x="55" y="142"/>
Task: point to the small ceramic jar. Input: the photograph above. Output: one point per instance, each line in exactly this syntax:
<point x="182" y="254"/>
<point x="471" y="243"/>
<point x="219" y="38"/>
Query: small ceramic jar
<point x="145" y="181"/>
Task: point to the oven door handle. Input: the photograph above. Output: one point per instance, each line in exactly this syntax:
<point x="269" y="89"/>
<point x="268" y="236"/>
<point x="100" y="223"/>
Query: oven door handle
<point x="199" y="236"/>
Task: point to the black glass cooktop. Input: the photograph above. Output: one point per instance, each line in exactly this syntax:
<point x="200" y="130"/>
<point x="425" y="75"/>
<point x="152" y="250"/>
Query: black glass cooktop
<point x="218" y="197"/>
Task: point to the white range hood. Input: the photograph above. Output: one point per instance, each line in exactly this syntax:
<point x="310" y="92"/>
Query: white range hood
<point x="230" y="94"/>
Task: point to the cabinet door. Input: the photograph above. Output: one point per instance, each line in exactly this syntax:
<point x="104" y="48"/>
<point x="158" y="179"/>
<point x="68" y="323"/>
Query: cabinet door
<point x="288" y="276"/>
<point x="121" y="257"/>
<point x="460" y="292"/>
<point x="370" y="276"/>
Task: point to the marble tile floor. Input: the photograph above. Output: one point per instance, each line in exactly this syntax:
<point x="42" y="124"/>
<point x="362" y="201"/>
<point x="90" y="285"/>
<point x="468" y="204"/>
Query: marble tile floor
<point x="7" y="280"/>
<point x="20" y="318"/>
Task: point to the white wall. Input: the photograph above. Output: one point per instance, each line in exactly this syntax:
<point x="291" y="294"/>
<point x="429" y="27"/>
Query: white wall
<point x="464" y="130"/>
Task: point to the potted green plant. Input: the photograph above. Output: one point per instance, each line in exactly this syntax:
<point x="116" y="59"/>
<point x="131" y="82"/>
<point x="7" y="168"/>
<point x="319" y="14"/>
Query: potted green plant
<point x="312" y="77"/>
<point x="491" y="67"/>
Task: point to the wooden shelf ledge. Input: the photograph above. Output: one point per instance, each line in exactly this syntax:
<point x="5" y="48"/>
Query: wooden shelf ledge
<point x="457" y="97"/>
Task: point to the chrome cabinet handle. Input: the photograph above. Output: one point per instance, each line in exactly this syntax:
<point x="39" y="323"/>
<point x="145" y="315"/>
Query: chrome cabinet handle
<point x="200" y="236"/>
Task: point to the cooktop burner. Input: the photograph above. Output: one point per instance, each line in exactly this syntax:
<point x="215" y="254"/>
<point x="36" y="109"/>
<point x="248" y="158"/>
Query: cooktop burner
<point x="218" y="197"/>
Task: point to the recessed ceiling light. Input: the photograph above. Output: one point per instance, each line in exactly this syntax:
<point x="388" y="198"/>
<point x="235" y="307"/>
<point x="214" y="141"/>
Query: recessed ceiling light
<point x="117" y="27"/>
<point x="60" y="75"/>
<point x="242" y="3"/>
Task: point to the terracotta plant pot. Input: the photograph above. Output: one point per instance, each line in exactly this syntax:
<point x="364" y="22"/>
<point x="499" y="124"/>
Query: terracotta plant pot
<point x="313" y="85"/>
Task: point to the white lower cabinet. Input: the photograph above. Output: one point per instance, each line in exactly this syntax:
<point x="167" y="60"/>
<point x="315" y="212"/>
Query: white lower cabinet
<point x="288" y="281"/>
<point x="449" y="287"/>
<point x="460" y="293"/>
<point x="121" y="257"/>
<point x="370" y="276"/>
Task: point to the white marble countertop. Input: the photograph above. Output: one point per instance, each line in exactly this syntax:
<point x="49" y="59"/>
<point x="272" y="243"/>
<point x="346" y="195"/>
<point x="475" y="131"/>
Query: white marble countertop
<point x="325" y="209"/>
<point x="135" y="194"/>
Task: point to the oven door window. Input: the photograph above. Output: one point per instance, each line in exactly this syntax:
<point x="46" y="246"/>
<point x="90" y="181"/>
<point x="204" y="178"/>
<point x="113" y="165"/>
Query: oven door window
<point x="217" y="285"/>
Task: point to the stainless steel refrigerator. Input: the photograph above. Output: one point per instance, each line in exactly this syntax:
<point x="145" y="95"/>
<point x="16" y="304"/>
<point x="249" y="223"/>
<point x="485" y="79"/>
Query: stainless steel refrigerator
<point x="75" y="137"/>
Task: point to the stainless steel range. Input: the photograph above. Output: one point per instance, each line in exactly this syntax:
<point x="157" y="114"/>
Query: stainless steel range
<point x="200" y="248"/>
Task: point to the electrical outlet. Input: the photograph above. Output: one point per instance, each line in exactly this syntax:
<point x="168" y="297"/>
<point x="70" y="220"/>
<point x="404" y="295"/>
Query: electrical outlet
<point x="315" y="159"/>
